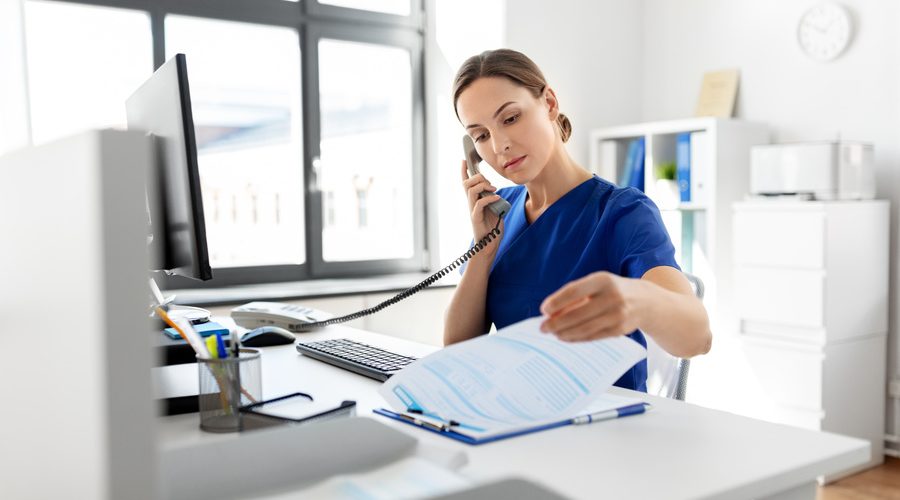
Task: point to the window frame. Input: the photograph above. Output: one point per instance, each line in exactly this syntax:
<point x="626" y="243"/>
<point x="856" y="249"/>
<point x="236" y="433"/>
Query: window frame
<point x="312" y="21"/>
<point x="319" y="268"/>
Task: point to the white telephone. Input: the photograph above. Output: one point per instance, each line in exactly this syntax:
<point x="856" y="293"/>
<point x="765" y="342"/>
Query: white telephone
<point x="288" y="316"/>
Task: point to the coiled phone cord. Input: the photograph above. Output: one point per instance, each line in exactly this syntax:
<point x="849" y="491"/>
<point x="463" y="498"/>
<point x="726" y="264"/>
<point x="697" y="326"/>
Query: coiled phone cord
<point x="477" y="247"/>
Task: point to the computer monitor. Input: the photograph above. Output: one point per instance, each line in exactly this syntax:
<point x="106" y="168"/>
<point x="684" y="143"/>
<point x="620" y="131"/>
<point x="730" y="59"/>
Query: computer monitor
<point x="162" y="107"/>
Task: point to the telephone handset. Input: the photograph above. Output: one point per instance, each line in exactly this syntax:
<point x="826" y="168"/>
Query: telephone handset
<point x="500" y="207"/>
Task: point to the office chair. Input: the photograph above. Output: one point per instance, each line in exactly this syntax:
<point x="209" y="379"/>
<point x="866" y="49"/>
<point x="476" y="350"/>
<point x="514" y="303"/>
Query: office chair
<point x="666" y="374"/>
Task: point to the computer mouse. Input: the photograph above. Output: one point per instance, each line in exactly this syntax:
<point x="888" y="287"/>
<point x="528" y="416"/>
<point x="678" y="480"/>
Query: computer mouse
<point x="267" y="335"/>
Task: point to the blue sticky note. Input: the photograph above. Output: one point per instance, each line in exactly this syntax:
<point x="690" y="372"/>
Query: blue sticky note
<point x="204" y="329"/>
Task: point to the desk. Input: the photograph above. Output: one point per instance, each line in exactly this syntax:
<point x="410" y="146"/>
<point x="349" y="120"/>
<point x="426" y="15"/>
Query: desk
<point x="677" y="450"/>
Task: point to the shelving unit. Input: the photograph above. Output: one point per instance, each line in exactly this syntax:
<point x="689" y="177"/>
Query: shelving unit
<point x="701" y="232"/>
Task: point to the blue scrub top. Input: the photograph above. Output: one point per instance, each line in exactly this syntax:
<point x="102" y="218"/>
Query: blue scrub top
<point x="594" y="227"/>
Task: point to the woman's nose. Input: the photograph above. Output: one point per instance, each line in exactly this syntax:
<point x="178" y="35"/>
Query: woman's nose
<point x="500" y="144"/>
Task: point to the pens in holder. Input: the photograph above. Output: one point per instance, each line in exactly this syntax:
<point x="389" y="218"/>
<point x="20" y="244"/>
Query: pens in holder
<point x="235" y="344"/>
<point x="220" y="347"/>
<point x="212" y="347"/>
<point x="194" y="338"/>
<point x="186" y="331"/>
<point x="228" y="387"/>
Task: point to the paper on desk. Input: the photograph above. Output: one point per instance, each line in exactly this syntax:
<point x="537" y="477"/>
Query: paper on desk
<point x="411" y="477"/>
<point x="516" y="378"/>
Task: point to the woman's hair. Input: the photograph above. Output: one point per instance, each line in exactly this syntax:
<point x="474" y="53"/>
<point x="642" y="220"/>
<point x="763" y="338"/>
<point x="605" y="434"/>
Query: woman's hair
<point x="509" y="64"/>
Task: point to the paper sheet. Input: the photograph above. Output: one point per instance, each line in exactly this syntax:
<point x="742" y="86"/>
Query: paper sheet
<point x="408" y="478"/>
<point x="516" y="378"/>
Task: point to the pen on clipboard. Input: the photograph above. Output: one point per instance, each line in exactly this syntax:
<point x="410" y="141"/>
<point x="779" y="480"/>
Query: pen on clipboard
<point x="625" y="411"/>
<point x="422" y="421"/>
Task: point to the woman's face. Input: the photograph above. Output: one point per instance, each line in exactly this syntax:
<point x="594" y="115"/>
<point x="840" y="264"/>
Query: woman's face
<point x="514" y="132"/>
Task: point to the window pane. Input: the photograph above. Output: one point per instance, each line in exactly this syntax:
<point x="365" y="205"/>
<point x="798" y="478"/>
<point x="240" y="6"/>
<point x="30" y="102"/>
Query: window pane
<point x="83" y="63"/>
<point x="245" y="92"/>
<point x="398" y="7"/>
<point x="366" y="151"/>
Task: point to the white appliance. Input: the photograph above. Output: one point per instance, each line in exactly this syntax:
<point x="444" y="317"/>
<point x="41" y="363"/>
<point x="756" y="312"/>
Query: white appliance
<point x="834" y="170"/>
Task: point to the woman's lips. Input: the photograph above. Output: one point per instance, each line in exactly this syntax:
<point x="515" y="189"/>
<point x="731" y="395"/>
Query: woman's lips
<point x="513" y="163"/>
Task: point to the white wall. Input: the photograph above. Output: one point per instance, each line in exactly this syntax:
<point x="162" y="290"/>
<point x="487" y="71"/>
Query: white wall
<point x="590" y="53"/>
<point x="856" y="96"/>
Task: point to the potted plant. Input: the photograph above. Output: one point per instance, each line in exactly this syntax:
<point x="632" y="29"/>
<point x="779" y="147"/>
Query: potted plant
<point x="666" y="187"/>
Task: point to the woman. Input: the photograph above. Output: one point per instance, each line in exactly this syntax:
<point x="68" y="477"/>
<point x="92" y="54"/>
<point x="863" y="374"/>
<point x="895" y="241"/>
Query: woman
<point x="594" y="259"/>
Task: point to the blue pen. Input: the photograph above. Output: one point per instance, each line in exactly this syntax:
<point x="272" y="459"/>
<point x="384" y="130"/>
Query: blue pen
<point x="611" y="414"/>
<point x="220" y="346"/>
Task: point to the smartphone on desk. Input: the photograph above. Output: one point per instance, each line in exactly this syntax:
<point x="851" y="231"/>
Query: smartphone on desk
<point x="288" y="316"/>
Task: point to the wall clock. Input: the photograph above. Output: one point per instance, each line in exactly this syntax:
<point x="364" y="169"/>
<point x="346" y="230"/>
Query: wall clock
<point x="824" y="31"/>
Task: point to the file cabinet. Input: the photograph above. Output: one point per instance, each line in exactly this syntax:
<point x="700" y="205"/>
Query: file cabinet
<point x="811" y="282"/>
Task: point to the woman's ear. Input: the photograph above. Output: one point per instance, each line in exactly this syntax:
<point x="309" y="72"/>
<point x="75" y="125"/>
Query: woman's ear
<point x="552" y="103"/>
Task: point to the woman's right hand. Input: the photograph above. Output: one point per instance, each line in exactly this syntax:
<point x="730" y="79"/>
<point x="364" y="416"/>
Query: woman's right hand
<point x="483" y="220"/>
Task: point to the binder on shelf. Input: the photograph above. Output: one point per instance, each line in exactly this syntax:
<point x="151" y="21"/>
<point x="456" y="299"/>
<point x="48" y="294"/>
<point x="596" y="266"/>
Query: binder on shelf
<point x="624" y="179"/>
<point x="683" y="165"/>
<point x="636" y="179"/>
<point x="701" y="164"/>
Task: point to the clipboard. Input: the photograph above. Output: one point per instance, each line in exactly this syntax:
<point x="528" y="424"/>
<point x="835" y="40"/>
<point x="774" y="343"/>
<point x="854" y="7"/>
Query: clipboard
<point x="448" y="428"/>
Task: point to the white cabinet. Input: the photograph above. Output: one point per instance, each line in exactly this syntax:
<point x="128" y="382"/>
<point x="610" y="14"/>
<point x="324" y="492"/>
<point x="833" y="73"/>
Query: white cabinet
<point x="812" y="287"/>
<point x="700" y="229"/>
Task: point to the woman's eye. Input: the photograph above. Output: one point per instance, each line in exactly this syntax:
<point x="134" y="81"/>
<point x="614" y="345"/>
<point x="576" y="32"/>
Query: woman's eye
<point x="511" y="119"/>
<point x="481" y="137"/>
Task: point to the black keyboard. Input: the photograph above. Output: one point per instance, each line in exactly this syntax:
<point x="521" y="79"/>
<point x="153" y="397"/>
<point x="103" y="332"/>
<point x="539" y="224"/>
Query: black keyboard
<point x="356" y="357"/>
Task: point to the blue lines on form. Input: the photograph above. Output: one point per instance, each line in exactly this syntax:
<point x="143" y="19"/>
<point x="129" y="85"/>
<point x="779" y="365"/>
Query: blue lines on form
<point x="458" y="394"/>
<point x="505" y="403"/>
<point x="406" y="398"/>
<point x="559" y="365"/>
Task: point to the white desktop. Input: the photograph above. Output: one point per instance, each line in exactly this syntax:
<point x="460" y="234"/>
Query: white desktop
<point x="676" y="450"/>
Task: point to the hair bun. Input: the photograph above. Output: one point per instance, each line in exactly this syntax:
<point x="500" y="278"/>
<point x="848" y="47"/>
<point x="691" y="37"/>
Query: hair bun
<point x="565" y="127"/>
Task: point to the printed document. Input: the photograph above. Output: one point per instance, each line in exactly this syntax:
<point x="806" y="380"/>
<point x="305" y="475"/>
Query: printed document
<point x="517" y="378"/>
<point x="411" y="477"/>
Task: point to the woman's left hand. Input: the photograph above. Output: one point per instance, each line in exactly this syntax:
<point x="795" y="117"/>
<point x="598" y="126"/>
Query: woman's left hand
<point x="594" y="307"/>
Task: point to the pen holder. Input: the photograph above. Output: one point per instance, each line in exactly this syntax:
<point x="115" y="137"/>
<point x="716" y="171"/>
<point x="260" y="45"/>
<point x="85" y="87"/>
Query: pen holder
<point x="226" y="384"/>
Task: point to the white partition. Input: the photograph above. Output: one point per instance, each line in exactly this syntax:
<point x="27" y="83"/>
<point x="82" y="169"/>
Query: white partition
<point x="78" y="421"/>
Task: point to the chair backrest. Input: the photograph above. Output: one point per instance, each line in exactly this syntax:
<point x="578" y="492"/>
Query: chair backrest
<point x="666" y="374"/>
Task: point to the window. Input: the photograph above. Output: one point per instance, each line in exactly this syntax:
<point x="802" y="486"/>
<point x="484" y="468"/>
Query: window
<point x="366" y="150"/>
<point x="397" y="7"/>
<point x="308" y="117"/>
<point x="83" y="62"/>
<point x="245" y="93"/>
